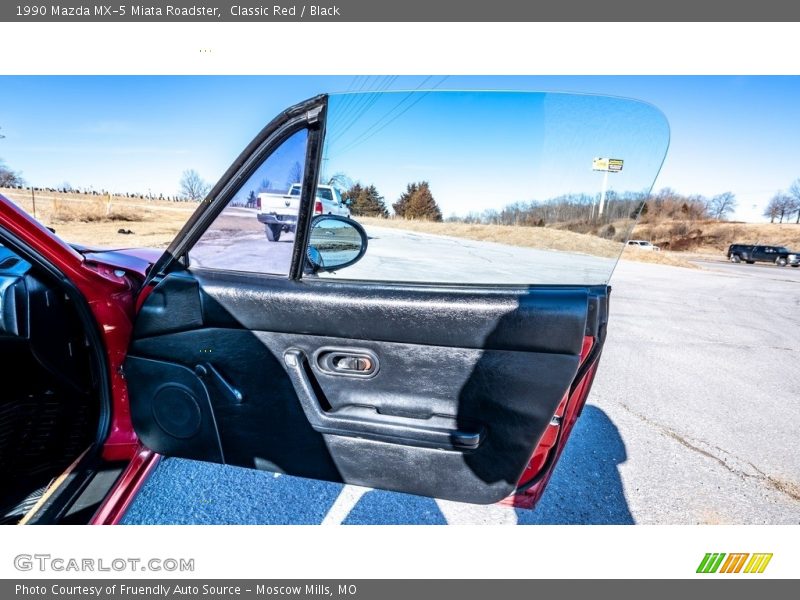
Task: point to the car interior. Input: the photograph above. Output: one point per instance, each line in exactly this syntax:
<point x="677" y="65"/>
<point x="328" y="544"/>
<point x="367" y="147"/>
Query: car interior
<point x="50" y="408"/>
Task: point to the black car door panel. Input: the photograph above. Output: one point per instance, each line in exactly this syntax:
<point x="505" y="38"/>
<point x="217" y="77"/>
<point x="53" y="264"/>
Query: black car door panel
<point x="463" y="386"/>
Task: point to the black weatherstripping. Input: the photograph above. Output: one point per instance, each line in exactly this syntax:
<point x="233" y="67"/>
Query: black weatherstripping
<point x="315" y="119"/>
<point x="468" y="379"/>
<point x="307" y="114"/>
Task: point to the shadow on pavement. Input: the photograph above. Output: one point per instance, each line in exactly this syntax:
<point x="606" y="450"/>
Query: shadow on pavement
<point x="586" y="488"/>
<point x="378" y="507"/>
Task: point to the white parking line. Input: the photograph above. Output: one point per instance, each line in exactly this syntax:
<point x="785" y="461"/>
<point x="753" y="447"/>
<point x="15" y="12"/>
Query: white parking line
<point x="348" y="498"/>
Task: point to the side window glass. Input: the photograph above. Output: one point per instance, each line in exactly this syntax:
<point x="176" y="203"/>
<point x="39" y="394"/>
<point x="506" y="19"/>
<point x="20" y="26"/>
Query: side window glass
<point x="491" y="187"/>
<point x="255" y="232"/>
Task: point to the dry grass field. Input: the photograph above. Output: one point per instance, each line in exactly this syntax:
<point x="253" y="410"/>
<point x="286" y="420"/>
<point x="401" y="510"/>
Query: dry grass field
<point x="98" y="220"/>
<point x="533" y="237"/>
<point x="94" y="221"/>
<point x="714" y="237"/>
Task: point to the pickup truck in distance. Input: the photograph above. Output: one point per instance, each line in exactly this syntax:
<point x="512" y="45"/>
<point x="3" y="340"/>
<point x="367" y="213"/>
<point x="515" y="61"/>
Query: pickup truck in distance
<point x="643" y="245"/>
<point x="278" y="212"/>
<point x="778" y="255"/>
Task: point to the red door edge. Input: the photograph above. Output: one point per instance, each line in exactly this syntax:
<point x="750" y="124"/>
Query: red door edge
<point x="110" y="296"/>
<point x="124" y="491"/>
<point x="555" y="437"/>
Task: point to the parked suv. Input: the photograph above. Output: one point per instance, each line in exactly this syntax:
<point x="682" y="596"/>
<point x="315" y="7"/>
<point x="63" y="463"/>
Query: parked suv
<point x="778" y="255"/>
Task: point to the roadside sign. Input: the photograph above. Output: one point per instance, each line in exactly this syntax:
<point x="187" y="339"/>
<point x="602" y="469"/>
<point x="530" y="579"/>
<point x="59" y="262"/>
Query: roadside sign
<point x="611" y="165"/>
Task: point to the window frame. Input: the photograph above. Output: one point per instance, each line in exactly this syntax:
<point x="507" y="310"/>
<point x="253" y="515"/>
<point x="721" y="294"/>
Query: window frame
<point x="309" y="115"/>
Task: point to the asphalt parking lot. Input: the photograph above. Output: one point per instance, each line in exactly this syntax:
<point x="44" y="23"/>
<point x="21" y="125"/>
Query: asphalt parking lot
<point x="693" y="418"/>
<point x="699" y="377"/>
<point x="399" y="255"/>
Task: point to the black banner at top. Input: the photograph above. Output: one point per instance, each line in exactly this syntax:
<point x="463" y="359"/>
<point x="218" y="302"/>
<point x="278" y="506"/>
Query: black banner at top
<point x="400" y="10"/>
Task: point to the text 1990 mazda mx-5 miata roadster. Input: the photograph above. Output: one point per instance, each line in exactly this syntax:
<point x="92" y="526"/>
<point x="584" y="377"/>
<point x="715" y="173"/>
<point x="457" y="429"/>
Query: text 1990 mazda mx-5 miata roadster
<point x="403" y="360"/>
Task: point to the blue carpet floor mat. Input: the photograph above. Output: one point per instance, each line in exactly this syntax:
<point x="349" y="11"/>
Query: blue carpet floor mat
<point x="188" y="492"/>
<point x="586" y="488"/>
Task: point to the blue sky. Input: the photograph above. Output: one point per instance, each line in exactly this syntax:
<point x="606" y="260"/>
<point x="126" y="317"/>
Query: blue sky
<point x="486" y="150"/>
<point x="139" y="133"/>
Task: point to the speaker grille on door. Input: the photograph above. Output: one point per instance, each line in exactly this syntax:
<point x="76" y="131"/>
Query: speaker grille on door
<point x="176" y="411"/>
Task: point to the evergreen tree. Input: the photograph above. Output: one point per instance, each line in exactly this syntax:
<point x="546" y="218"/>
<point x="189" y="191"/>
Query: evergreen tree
<point x="401" y="205"/>
<point x="366" y="201"/>
<point x="421" y="204"/>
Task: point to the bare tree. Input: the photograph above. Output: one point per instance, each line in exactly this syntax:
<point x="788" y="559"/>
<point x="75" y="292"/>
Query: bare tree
<point x="9" y="178"/>
<point x="781" y="206"/>
<point x="792" y="208"/>
<point x="722" y="205"/>
<point x="295" y="174"/>
<point x="193" y="186"/>
<point x="794" y="194"/>
<point x="341" y="180"/>
<point x="772" y="209"/>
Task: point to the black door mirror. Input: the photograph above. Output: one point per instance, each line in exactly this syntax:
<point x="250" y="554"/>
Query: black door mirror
<point x="335" y="243"/>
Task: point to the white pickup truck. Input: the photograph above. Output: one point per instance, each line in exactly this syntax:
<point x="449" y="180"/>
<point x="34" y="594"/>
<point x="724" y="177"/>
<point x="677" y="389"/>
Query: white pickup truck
<point x="278" y="212"/>
<point x="643" y="245"/>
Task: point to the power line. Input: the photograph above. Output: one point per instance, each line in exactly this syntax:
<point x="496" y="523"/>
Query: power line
<point x="386" y="115"/>
<point x="350" y="98"/>
<point x="372" y="131"/>
<point x="370" y="99"/>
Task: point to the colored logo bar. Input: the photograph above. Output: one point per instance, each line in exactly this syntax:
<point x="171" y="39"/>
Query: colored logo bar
<point x="719" y="562"/>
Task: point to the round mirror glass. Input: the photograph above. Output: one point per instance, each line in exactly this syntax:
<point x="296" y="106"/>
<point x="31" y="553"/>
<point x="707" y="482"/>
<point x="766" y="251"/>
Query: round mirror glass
<point x="335" y="242"/>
